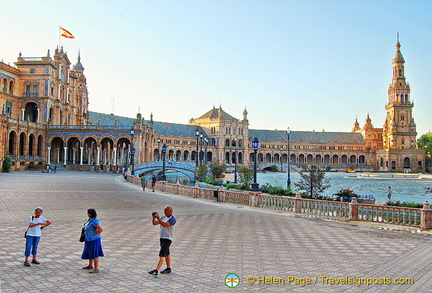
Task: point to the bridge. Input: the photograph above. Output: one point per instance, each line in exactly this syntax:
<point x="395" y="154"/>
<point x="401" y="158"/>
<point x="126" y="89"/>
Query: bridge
<point x="156" y="167"/>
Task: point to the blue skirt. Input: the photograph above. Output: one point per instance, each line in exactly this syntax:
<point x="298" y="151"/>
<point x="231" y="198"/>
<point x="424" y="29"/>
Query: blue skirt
<point x="92" y="249"/>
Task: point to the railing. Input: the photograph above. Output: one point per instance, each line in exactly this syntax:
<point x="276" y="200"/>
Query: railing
<point x="421" y="218"/>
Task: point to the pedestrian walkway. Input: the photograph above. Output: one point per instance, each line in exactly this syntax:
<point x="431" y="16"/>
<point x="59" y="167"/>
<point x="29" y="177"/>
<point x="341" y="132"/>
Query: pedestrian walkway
<point x="268" y="251"/>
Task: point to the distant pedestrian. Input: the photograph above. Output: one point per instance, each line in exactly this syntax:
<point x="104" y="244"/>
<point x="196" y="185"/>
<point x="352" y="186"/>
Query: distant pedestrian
<point x="143" y="182"/>
<point x="389" y="193"/>
<point x="166" y="223"/>
<point x="153" y="182"/>
<point x="33" y="235"/>
<point x="93" y="244"/>
<point x="55" y="169"/>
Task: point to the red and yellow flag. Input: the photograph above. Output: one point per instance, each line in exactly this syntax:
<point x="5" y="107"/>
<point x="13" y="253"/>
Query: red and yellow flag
<point x="66" y="33"/>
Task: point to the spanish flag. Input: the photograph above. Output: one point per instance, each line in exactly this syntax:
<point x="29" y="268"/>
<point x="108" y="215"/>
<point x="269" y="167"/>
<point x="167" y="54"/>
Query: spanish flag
<point x="66" y="33"/>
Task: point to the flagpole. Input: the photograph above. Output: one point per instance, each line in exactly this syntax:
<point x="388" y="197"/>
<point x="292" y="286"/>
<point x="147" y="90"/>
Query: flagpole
<point x="59" y="36"/>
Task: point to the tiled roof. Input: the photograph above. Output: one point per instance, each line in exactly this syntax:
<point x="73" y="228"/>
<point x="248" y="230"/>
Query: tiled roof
<point x="307" y="136"/>
<point x="162" y="128"/>
<point x="217" y="112"/>
<point x="108" y="119"/>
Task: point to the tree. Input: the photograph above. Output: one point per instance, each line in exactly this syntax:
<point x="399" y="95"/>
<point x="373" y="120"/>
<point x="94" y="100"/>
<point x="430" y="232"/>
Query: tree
<point x="201" y="172"/>
<point x="245" y="176"/>
<point x="312" y="182"/>
<point x="216" y="171"/>
<point x="7" y="164"/>
<point x="425" y="142"/>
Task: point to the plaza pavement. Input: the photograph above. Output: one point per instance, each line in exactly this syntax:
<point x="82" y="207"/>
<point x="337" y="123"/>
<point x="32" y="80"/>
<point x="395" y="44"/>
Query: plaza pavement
<point x="211" y="240"/>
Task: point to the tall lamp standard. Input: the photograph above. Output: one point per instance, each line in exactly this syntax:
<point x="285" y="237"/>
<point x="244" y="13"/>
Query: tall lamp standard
<point x="164" y="149"/>
<point x="280" y="159"/>
<point x="255" y="144"/>
<point x="196" y="156"/>
<point x="205" y="150"/>
<point x="235" y="161"/>
<point x="132" y="152"/>
<point x="159" y="156"/>
<point x="201" y="153"/>
<point x="288" y="160"/>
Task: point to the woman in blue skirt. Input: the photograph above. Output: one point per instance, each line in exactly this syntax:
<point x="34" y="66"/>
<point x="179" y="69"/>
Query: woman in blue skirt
<point x="93" y="244"/>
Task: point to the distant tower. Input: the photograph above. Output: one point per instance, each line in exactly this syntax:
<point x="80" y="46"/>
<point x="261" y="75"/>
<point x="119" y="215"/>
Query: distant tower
<point x="399" y="152"/>
<point x="399" y="128"/>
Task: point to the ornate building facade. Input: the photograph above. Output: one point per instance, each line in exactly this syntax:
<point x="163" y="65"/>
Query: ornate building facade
<point x="45" y="121"/>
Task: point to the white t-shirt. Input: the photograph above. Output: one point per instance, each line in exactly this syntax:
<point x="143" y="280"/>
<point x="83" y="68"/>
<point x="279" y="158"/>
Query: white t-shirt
<point x="36" y="230"/>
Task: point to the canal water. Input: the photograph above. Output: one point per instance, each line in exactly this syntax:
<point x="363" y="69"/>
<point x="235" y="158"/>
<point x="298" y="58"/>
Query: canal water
<point x="404" y="190"/>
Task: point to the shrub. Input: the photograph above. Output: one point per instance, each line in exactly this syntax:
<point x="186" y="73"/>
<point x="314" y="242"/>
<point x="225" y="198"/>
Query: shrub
<point x="404" y="204"/>
<point x="7" y="164"/>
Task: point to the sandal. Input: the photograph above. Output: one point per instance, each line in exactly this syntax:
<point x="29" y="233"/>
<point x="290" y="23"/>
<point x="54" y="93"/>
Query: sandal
<point x="35" y="261"/>
<point x="88" y="268"/>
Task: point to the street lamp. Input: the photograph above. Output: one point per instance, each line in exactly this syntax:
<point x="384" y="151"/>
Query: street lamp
<point x="201" y="154"/>
<point x="255" y="144"/>
<point x="280" y="159"/>
<point x="205" y="150"/>
<point x="132" y="152"/>
<point x="197" y="136"/>
<point x="235" y="160"/>
<point x="288" y="160"/>
<point x="164" y="149"/>
<point x="159" y="141"/>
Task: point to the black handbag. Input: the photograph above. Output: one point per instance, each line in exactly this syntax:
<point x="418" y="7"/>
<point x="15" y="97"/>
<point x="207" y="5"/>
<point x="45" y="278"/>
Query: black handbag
<point x="82" y="237"/>
<point x="25" y="233"/>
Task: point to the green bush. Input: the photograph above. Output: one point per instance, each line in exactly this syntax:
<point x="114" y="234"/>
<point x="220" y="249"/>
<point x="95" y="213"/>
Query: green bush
<point x="276" y="190"/>
<point x="7" y="164"/>
<point x="404" y="204"/>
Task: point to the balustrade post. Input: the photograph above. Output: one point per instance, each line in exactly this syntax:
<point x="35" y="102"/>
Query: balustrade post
<point x="353" y="209"/>
<point x="297" y="203"/>
<point x="221" y="194"/>
<point x="426" y="217"/>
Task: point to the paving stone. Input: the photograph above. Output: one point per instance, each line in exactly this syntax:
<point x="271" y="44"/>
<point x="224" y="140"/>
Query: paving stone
<point x="211" y="240"/>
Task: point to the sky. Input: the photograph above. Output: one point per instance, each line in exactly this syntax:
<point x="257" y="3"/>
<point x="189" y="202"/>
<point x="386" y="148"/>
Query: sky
<point x="308" y="65"/>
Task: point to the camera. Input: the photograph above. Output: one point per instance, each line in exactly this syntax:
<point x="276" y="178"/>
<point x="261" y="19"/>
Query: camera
<point x="154" y="214"/>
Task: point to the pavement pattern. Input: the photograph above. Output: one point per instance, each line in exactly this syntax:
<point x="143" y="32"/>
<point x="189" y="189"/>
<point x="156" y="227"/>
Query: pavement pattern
<point x="269" y="251"/>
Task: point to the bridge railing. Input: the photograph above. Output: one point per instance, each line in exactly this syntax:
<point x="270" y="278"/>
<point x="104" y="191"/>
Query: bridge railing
<point x="421" y="218"/>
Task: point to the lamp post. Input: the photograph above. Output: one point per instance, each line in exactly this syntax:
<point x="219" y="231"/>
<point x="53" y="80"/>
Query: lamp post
<point x="201" y="153"/>
<point x="280" y="159"/>
<point x="164" y="149"/>
<point x="159" y="141"/>
<point x="132" y="152"/>
<point x="235" y="160"/>
<point x="205" y="150"/>
<point x="288" y="160"/>
<point x="197" y="136"/>
<point x="255" y="143"/>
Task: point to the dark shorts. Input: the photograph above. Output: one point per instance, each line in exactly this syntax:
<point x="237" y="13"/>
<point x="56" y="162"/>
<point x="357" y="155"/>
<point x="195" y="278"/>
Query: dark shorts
<point x="165" y="245"/>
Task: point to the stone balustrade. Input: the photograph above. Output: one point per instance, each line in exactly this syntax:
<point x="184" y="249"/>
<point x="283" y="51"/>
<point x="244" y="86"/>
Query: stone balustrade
<point x="353" y="211"/>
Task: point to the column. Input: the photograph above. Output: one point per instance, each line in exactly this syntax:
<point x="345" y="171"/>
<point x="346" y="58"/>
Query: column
<point x="115" y="156"/>
<point x="97" y="158"/>
<point x="104" y="157"/>
<point x="22" y="114"/>
<point x="38" y="115"/>
<point x="89" y="156"/>
<point x="58" y="156"/>
<point x="49" y="156"/>
<point x="81" y="155"/>
<point x="65" y="155"/>
<point x="74" y="156"/>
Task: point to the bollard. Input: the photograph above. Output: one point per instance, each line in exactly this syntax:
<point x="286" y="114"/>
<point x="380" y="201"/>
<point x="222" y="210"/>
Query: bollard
<point x="426" y="217"/>
<point x="353" y="209"/>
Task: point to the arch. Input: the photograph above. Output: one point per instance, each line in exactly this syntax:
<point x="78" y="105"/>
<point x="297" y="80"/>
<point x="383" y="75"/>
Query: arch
<point x="4" y="85"/>
<point x="381" y="162"/>
<point x="268" y="158"/>
<point x="90" y="151"/>
<point x="318" y="159"/>
<point x="353" y="159"/>
<point x="12" y="143"/>
<point x="326" y="159"/>
<point x="31" y="112"/>
<point x="233" y="158"/>
<point x="209" y="156"/>
<point x="11" y="87"/>
<point x="362" y="159"/>
<point x="50" y="115"/>
<point x="107" y="145"/>
<point x="186" y="156"/>
<point x="31" y="145"/>
<point x="344" y="159"/>
<point x="302" y="159"/>
<point x="73" y="154"/>
<point x="260" y="158"/>
<point x="39" y="145"/>
<point x="335" y="159"/>
<point x="22" y="143"/>
<point x="227" y="142"/>
<point x="227" y="158"/>
<point x="407" y="163"/>
<point x="309" y="159"/>
<point x="57" y="154"/>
